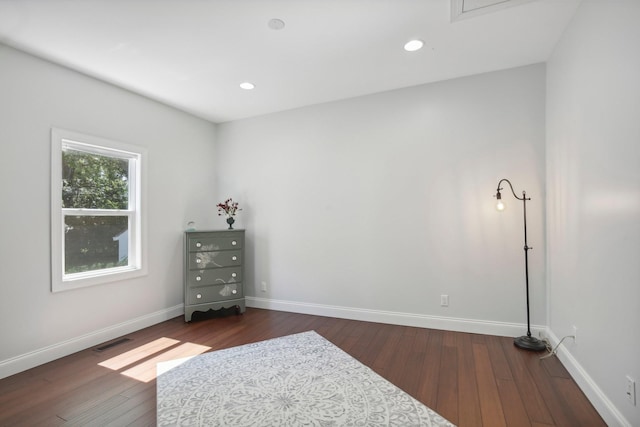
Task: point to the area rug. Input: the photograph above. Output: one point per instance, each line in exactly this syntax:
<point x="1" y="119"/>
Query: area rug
<point x="297" y="380"/>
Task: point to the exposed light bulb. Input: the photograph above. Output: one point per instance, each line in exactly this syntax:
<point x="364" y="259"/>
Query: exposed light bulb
<point x="247" y="85"/>
<point x="499" y="205"/>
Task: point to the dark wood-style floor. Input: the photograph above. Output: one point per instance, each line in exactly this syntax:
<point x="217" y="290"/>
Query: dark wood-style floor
<point x="473" y="380"/>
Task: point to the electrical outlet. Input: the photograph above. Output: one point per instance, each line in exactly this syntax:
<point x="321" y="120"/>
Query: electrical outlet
<point x="575" y="334"/>
<point x="631" y="390"/>
<point x="444" y="300"/>
<point x="263" y="286"/>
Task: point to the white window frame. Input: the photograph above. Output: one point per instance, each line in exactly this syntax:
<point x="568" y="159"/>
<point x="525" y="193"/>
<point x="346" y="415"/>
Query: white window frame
<point x="60" y="281"/>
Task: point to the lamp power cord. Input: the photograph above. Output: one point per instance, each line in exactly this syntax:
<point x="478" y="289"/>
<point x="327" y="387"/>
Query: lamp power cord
<point x="553" y="351"/>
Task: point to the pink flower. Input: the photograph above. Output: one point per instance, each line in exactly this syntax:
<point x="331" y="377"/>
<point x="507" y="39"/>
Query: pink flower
<point x="228" y="207"/>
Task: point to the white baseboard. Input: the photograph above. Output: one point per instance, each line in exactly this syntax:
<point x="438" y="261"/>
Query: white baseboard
<point x="47" y="354"/>
<point x="486" y="327"/>
<point x="607" y="410"/>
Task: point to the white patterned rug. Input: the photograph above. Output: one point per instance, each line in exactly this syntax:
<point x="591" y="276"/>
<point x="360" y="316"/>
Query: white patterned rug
<point x="297" y="380"/>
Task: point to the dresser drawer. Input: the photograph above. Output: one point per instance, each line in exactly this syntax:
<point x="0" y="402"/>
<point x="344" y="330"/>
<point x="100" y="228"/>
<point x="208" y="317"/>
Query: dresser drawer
<point x="214" y="293"/>
<point x="218" y="243"/>
<point x="201" y="260"/>
<point x="216" y="276"/>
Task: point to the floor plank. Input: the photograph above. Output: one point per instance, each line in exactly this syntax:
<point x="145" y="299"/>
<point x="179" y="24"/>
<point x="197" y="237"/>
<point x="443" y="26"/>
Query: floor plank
<point x="447" y="402"/>
<point x="469" y="397"/>
<point x="490" y="403"/>
<point x="430" y="372"/>
<point x="515" y="413"/>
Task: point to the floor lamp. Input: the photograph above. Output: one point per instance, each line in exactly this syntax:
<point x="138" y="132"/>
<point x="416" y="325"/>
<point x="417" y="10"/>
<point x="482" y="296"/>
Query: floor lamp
<point x="526" y="342"/>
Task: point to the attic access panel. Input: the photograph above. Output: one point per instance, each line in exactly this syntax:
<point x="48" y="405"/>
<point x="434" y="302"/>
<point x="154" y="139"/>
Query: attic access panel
<point x="462" y="9"/>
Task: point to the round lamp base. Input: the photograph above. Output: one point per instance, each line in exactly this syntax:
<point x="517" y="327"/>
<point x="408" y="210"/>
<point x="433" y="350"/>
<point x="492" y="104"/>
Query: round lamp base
<point x="529" y="343"/>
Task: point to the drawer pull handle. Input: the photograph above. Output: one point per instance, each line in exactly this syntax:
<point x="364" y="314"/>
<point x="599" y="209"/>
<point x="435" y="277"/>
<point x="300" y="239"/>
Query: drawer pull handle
<point x="234" y="291"/>
<point x="233" y="243"/>
<point x="198" y="245"/>
<point x="199" y="296"/>
<point x="198" y="260"/>
<point x="234" y="258"/>
<point x="233" y="274"/>
<point x="198" y="278"/>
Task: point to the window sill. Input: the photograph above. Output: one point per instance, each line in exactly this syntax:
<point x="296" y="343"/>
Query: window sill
<point x="82" y="280"/>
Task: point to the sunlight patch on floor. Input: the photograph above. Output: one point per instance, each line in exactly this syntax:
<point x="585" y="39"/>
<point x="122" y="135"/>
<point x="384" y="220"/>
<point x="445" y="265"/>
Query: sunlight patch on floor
<point x="146" y="371"/>
<point x="138" y="353"/>
<point x="163" y="367"/>
<point x="166" y="355"/>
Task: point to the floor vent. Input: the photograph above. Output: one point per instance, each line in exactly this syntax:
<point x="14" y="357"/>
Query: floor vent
<point x="112" y="344"/>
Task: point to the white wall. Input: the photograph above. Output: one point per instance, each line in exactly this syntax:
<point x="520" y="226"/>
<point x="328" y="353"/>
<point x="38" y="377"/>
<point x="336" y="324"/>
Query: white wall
<point x="382" y="203"/>
<point x="593" y="186"/>
<point x="35" y="324"/>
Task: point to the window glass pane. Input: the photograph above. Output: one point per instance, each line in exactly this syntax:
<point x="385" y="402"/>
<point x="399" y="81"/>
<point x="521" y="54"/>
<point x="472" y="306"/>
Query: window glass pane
<point x="94" y="181"/>
<point x="95" y="242"/>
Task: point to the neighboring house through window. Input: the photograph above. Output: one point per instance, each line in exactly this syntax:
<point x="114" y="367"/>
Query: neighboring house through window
<point x="96" y="210"/>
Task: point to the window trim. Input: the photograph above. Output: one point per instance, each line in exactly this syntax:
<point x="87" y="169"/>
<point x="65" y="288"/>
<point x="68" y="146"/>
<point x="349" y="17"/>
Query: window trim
<point x="137" y="210"/>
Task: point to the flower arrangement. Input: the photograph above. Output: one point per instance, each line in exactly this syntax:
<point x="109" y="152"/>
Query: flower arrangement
<point x="228" y="208"/>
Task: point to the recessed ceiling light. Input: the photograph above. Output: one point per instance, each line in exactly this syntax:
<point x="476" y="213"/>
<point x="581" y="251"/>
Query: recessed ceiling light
<point x="413" y="45"/>
<point x="247" y="85"/>
<point x="276" y="24"/>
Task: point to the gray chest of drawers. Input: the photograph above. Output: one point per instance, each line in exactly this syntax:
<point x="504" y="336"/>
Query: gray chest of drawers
<point x="213" y="271"/>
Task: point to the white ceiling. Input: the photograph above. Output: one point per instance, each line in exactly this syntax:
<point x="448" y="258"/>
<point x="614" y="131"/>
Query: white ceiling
<point x="193" y="54"/>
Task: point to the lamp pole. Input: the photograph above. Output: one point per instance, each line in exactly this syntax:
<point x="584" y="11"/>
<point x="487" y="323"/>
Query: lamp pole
<point x="526" y="342"/>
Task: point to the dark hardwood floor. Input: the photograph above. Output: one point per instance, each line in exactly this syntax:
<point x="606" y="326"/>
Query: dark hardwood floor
<point x="473" y="380"/>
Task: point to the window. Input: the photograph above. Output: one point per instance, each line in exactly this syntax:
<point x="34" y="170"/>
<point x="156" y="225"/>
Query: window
<point x="96" y="210"/>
